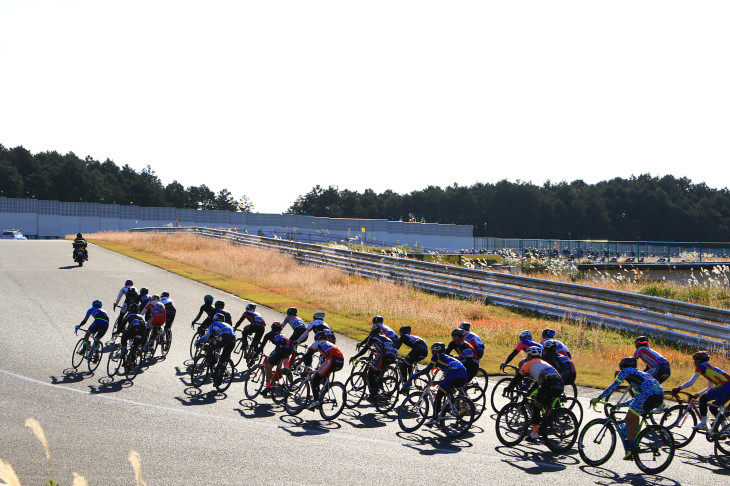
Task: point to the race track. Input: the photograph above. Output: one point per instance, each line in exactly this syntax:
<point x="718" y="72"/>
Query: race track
<point x="185" y="437"/>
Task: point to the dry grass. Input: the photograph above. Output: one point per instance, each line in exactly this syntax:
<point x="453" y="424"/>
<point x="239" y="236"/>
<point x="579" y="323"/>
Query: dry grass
<point x="278" y="281"/>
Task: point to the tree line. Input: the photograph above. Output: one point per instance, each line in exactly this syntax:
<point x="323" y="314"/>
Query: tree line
<point x="68" y="178"/>
<point x="640" y="208"/>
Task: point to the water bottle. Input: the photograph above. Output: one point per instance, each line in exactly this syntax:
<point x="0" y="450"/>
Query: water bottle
<point x="622" y="428"/>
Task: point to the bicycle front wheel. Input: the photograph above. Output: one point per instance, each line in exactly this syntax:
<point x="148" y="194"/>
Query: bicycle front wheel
<point x="77" y="358"/>
<point x="133" y="361"/>
<point x="355" y="389"/>
<point x="512" y="424"/>
<point x="223" y="382"/>
<point x="655" y="449"/>
<point x="97" y="352"/>
<point x="114" y="361"/>
<point x="199" y="371"/>
<point x="387" y="397"/>
<point x="298" y="396"/>
<point x="413" y="412"/>
<point x="281" y="387"/>
<point x="497" y="399"/>
<point x="332" y="401"/>
<point x="560" y="430"/>
<point x="456" y="416"/>
<point x="680" y="420"/>
<point x="596" y="442"/>
<point x="254" y="381"/>
<point x="722" y="447"/>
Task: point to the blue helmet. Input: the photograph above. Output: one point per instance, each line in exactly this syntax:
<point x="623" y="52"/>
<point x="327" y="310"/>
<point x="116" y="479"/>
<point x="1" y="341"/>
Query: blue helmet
<point x="97" y="304"/>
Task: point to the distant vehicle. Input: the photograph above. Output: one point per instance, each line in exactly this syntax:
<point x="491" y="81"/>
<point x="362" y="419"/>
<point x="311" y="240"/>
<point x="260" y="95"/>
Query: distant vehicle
<point x="12" y="234"/>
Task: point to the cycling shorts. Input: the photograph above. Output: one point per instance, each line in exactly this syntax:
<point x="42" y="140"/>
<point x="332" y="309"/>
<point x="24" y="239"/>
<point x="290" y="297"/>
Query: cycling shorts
<point x="382" y="360"/>
<point x="330" y="365"/>
<point x="453" y="378"/>
<point x="99" y="327"/>
<point x="417" y="354"/>
<point x="646" y="401"/>
<point x="279" y="353"/>
<point x="156" y="321"/>
<point x="660" y="372"/>
<point x="719" y="395"/>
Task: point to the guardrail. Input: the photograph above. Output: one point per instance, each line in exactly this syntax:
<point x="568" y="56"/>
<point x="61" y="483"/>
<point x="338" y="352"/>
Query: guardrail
<point x="691" y="324"/>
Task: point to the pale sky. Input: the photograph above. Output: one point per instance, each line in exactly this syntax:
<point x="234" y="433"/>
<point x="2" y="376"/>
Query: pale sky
<point x="269" y="98"/>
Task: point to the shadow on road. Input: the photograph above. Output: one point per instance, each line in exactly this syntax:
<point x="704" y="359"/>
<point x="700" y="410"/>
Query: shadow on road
<point x="71" y="375"/>
<point x="69" y="267"/>
<point x="708" y="463"/>
<point x="365" y="420"/>
<point x="195" y="396"/>
<point x="298" y="427"/>
<point x="253" y="409"/>
<point x="542" y="459"/>
<point x="109" y="385"/>
<point x="435" y="444"/>
<point x="606" y="477"/>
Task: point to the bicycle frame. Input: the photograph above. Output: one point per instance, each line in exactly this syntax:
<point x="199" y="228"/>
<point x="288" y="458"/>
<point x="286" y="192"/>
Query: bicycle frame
<point x="693" y="404"/>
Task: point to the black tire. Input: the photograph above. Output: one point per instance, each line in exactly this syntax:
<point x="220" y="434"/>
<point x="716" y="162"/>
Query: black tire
<point x="281" y="387"/>
<point x="97" y="354"/>
<point x="150" y="349"/>
<point x="226" y="378"/>
<point x="596" y="442"/>
<point x="387" y="396"/>
<point x="478" y="397"/>
<point x="114" y="361"/>
<point x="255" y="381"/>
<point x="456" y="421"/>
<point x="332" y="400"/>
<point x="680" y="420"/>
<point x="81" y="263"/>
<point x="166" y="342"/>
<point x="193" y="348"/>
<point x="560" y="430"/>
<point x="199" y="371"/>
<point x="655" y="446"/>
<point x="512" y="424"/>
<point x="571" y="392"/>
<point x="413" y="412"/>
<point x="117" y="324"/>
<point x="298" y="396"/>
<point x="133" y="363"/>
<point x="481" y="379"/>
<point x="574" y="405"/>
<point x="497" y="400"/>
<point x="237" y="353"/>
<point x="722" y="447"/>
<point x="77" y="358"/>
<point x="355" y="387"/>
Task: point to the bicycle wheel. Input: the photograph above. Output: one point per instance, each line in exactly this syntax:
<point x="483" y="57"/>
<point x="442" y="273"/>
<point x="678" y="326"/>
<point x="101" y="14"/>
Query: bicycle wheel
<point x="571" y="392"/>
<point x="193" y="348"/>
<point x="150" y="348"/>
<point x="512" y="424"/>
<point x="478" y="397"/>
<point x="481" y="379"/>
<point x="254" y="381"/>
<point x="114" y="361"/>
<point x="165" y="342"/>
<point x="574" y="405"/>
<point x="560" y="430"/>
<point x="456" y="416"/>
<point x="281" y="387"/>
<point x="199" y="371"/>
<point x="680" y="420"/>
<point x="387" y="397"/>
<point x="76" y="358"/>
<point x="413" y="412"/>
<point x="655" y="449"/>
<point x="237" y="353"/>
<point x="298" y="396"/>
<point x="498" y="400"/>
<point x="597" y="441"/>
<point x="97" y="352"/>
<point x="722" y="447"/>
<point x="332" y="400"/>
<point x="133" y="361"/>
<point x="355" y="388"/>
<point x="225" y="379"/>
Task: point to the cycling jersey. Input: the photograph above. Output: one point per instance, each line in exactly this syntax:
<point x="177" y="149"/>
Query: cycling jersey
<point x="563" y="365"/>
<point x="411" y="341"/>
<point x="217" y="329"/>
<point x="277" y="339"/>
<point x="464" y="350"/>
<point x="650" y="357"/>
<point x="476" y="343"/>
<point x="539" y="370"/>
<point x="294" y="321"/>
<point x="385" y="330"/>
<point x="648" y="393"/>
<point x="384" y="351"/>
<point x="333" y="359"/>
<point x="562" y="348"/>
<point x="99" y="315"/>
<point x="715" y="376"/>
<point x="316" y="326"/>
<point x="454" y="371"/>
<point x="158" y="314"/>
<point x="135" y="320"/>
<point x="252" y="317"/>
<point x="526" y="343"/>
<point x="170" y="310"/>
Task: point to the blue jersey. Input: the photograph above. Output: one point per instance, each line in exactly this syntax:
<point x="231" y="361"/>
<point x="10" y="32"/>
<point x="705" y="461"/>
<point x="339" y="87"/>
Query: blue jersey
<point x="446" y="363"/>
<point x="217" y="328"/>
<point x="639" y="381"/>
<point x="100" y="316"/>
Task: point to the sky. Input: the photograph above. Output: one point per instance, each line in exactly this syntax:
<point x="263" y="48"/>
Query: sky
<point x="270" y="98"/>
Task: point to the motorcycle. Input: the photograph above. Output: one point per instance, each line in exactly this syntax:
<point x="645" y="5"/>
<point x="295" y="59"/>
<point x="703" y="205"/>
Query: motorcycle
<point x="80" y="256"/>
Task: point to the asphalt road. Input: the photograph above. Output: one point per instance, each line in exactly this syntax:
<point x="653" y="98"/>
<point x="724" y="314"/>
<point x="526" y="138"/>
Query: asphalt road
<point x="185" y="437"/>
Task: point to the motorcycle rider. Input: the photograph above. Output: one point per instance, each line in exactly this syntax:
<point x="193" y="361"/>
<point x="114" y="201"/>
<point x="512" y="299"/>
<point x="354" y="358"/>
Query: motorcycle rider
<point x="79" y="242"/>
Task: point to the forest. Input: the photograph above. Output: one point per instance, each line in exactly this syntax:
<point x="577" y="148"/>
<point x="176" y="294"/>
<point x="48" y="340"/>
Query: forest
<point x="643" y="208"/>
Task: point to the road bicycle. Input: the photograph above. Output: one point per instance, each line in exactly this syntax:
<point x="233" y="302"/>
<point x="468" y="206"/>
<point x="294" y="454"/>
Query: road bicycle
<point x="205" y="366"/>
<point x="681" y="419"/>
<point x="357" y="386"/>
<point x="558" y="428"/>
<point x="654" y="443"/>
<point x="455" y="417"/>
<point x="331" y="395"/>
<point x="128" y="358"/>
<point x="91" y="353"/>
<point x="281" y="379"/>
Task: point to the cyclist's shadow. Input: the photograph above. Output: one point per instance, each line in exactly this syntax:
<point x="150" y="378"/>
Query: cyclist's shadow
<point x="298" y="427"/>
<point x="431" y="446"/>
<point x="543" y="461"/>
<point x="253" y="409"/>
<point x="608" y="477"/>
<point x="369" y="420"/>
<point x="195" y="396"/>
<point x="70" y="375"/>
<point x="703" y="462"/>
<point x="109" y="385"/>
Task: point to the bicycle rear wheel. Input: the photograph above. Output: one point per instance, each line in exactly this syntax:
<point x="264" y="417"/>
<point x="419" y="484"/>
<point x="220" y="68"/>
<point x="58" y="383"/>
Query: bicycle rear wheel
<point x="387" y="397"/>
<point x="456" y="417"/>
<point x="355" y="389"/>
<point x="281" y="387"/>
<point x="413" y="412"/>
<point x="512" y="424"/>
<point x="165" y="342"/>
<point x="97" y="352"/>
<point x="574" y="406"/>
<point x="199" y="371"/>
<point x="77" y="358"/>
<point x="478" y="397"/>
<point x="481" y="379"/>
<point x="597" y="441"/>
<point x="254" y="381"/>
<point x="133" y="361"/>
<point x="150" y="348"/>
<point x="560" y="430"/>
<point x="298" y="396"/>
<point x="332" y="400"/>
<point x="680" y="420"/>
<point x="193" y="348"/>
<point x="226" y="377"/>
<point x="497" y="399"/>
<point x="722" y="447"/>
<point x="114" y="361"/>
<point x="655" y="449"/>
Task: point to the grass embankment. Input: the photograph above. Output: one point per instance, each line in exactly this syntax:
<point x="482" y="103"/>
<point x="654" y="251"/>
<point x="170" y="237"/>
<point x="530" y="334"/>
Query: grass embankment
<point x="276" y="280"/>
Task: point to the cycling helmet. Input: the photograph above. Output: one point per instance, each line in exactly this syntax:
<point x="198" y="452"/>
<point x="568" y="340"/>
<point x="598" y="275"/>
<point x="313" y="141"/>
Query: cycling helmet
<point x="165" y="294"/>
<point x="250" y="307"/>
<point x="548" y="333"/>
<point x="291" y="311"/>
<point x="533" y="352"/>
<point x="219" y="304"/>
<point x="208" y="299"/>
<point x="276" y="326"/>
<point x="465" y="326"/>
<point x="320" y="336"/>
<point x="438" y="347"/>
<point x="405" y="330"/>
<point x="97" y="304"/>
<point x="144" y="291"/>
<point x="133" y="308"/>
<point x="525" y="335"/>
<point x="219" y="317"/>
<point x="318" y="316"/>
<point x="128" y="283"/>
<point x="701" y="357"/>
<point x="378" y="320"/>
<point x="641" y="341"/>
<point x="550" y="346"/>
<point x="458" y="333"/>
<point x="155" y="298"/>
<point x="132" y="290"/>
<point x="629" y="362"/>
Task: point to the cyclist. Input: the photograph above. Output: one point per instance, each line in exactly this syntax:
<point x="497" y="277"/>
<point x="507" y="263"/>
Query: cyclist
<point x="219" y="307"/>
<point x="466" y="352"/>
<point x="550" y="334"/>
<point x="384" y="354"/>
<point x="256" y="325"/>
<point x="283" y="348"/>
<point x="473" y="339"/>
<point x="130" y="295"/>
<point x="156" y="319"/>
<point x="419" y="350"/>
<point x="226" y="339"/>
<point x="562" y="364"/>
<point x="170" y="310"/>
<point x="524" y="343"/>
<point x="547" y="384"/>
<point x="648" y="395"/>
<point x="317" y="325"/>
<point x="378" y="326"/>
<point x="718" y="386"/>
<point x="80" y="242"/>
<point x="209" y="310"/>
<point x="454" y="376"/>
<point x="143" y="298"/>
<point x="98" y="327"/>
<point x="135" y="328"/>
<point x="656" y="365"/>
<point x="333" y="361"/>
<point x="297" y="323"/>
